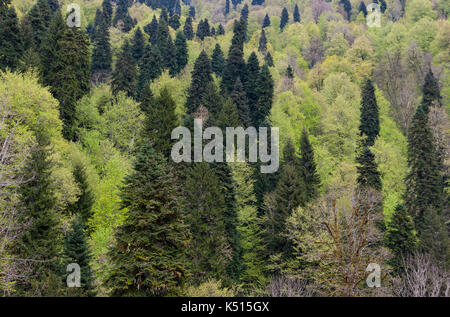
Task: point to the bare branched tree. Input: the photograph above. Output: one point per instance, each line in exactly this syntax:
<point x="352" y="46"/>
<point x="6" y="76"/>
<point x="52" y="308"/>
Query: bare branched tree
<point x="288" y="286"/>
<point x="422" y="278"/>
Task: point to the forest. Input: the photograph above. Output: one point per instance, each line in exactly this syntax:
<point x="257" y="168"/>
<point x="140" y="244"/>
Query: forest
<point x="92" y="202"/>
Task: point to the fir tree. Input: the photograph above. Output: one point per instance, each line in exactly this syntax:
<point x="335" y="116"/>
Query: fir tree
<point x="284" y="19"/>
<point x="160" y="121"/>
<point x="268" y="59"/>
<point x="201" y="76"/>
<point x="205" y="212"/>
<point x="240" y="99"/>
<point x="11" y="45"/>
<point x="235" y="67"/>
<point x="311" y="177"/>
<point x="240" y="34"/>
<point x="192" y="12"/>
<point x="203" y="29"/>
<point x="264" y="91"/>
<point x="101" y="54"/>
<point x="266" y="21"/>
<point x="368" y="175"/>
<point x="430" y="90"/>
<point x="124" y="75"/>
<point x="289" y="72"/>
<point x="174" y="22"/>
<point x="152" y="30"/>
<point x="181" y="51"/>
<point x="153" y="230"/>
<point x="253" y="71"/>
<point x="188" y="29"/>
<point x="244" y="13"/>
<point x="39" y="18"/>
<point x="262" y="42"/>
<point x="296" y="14"/>
<point x="228" y="115"/>
<point x="227" y="7"/>
<point x="217" y="61"/>
<point x="82" y="207"/>
<point x="400" y="237"/>
<point x="149" y="68"/>
<point x="363" y="8"/>
<point x="171" y="57"/>
<point x="347" y="7"/>
<point x="76" y="250"/>
<point x="137" y="45"/>
<point x="370" y="122"/>
<point x="42" y="239"/>
<point x="383" y="6"/>
<point x="220" y="30"/>
<point x="107" y="11"/>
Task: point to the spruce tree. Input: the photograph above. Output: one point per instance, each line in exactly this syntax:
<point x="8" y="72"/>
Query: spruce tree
<point x="262" y="42"/>
<point x="201" y="76"/>
<point x="125" y="74"/>
<point x="107" y="11"/>
<point x="174" y="22"/>
<point x="289" y="72"/>
<point x="240" y="99"/>
<point x="41" y="241"/>
<point x="161" y="119"/>
<point x="266" y="21"/>
<point x="220" y="30"/>
<point x="188" y="29"/>
<point x="217" y="60"/>
<point x="370" y="122"/>
<point x="149" y="68"/>
<point x="137" y="45"/>
<point x="253" y="71"/>
<point x="227" y="7"/>
<point x="235" y="67"/>
<point x="368" y="175"/>
<point x="171" y="57"/>
<point x="152" y="30"/>
<point x="400" y="238"/>
<point x="363" y="8"/>
<point x="244" y="13"/>
<point x="430" y="90"/>
<point x="82" y="207"/>
<point x="101" y="54"/>
<point x="311" y="177"/>
<point x="39" y="18"/>
<point x="296" y="14"/>
<point x="205" y="212"/>
<point x="147" y="255"/>
<point x="77" y="250"/>
<point x="347" y="7"/>
<point x="265" y="93"/>
<point x="268" y="59"/>
<point x="192" y="12"/>
<point x="284" y="18"/>
<point x="181" y="51"/>
<point x="11" y="45"/>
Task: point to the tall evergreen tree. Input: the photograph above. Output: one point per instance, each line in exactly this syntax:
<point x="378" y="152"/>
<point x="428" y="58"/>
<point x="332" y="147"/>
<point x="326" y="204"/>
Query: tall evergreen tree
<point x="268" y="59"/>
<point x="296" y="14"/>
<point x="262" y="42"/>
<point x="235" y="67"/>
<point x="363" y="8"/>
<point x="240" y="99"/>
<point x="147" y="255"/>
<point x="101" y="54"/>
<point x="124" y="75"/>
<point x="82" y="207"/>
<point x="201" y="76"/>
<point x="311" y="177"/>
<point x="217" y="60"/>
<point x="39" y="18"/>
<point x="265" y="92"/>
<point x="220" y="30"/>
<point x="188" y="29"/>
<point x="174" y="22"/>
<point x="149" y="68"/>
<point x="107" y="11"/>
<point x="253" y="71"/>
<point x="370" y="122"/>
<point x="137" y="45"/>
<point x="227" y="7"/>
<point x="430" y="90"/>
<point x="368" y="175"/>
<point x="181" y="51"/>
<point x="41" y="241"/>
<point x="347" y="8"/>
<point x="400" y="237"/>
<point x="266" y="21"/>
<point x="152" y="30"/>
<point x="284" y="18"/>
<point x="11" y="45"/>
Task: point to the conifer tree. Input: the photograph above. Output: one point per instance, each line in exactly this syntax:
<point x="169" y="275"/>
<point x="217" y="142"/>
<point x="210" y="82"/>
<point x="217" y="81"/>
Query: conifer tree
<point x="289" y="72"/>
<point x="77" y="250"/>
<point x="264" y="91"/>
<point x="11" y="45"/>
<point x="181" y="51"/>
<point x="201" y="76"/>
<point x="39" y="18"/>
<point x="220" y="30"/>
<point x="174" y="22"/>
<point x="101" y="54"/>
<point x="383" y="6"/>
<point x="227" y="7"/>
<point x="209" y="251"/>
<point x="244" y="13"/>
<point x="164" y="16"/>
<point x="149" y="68"/>
<point x="188" y="29"/>
<point x="41" y="241"/>
<point x="253" y="71"/>
<point x="161" y="119"/>
<point x="370" y="122"/>
<point x="311" y="177"/>
<point x="262" y="42"/>
<point x="147" y="255"/>
<point x="268" y="59"/>
<point x="430" y="90"/>
<point x="235" y="67"/>
<point x="228" y="115"/>
<point x="347" y="7"/>
<point x="240" y="99"/>
<point x="171" y="57"/>
<point x="239" y="35"/>
<point x="192" y="12"/>
<point x="368" y="175"/>
<point x="152" y="30"/>
<point x="137" y="45"/>
<point x="107" y="11"/>
<point x="82" y="207"/>
<point x="296" y="14"/>
<point x="217" y="60"/>
<point x="400" y="237"/>
<point x="284" y="18"/>
<point x="124" y="75"/>
<point x="266" y="21"/>
<point x="363" y="8"/>
<point x="121" y="11"/>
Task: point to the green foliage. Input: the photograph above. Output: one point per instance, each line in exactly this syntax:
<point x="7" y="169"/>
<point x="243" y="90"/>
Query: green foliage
<point x="82" y="208"/>
<point x="201" y="76"/>
<point x="217" y="60"/>
<point x="11" y="46"/>
<point x="125" y="74"/>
